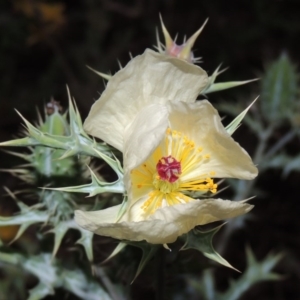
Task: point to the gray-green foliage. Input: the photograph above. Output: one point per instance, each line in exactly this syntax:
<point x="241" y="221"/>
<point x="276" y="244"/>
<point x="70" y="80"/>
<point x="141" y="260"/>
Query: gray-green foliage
<point x="54" y="209"/>
<point x="52" y="275"/>
<point x="279" y="88"/>
<point x="202" y="241"/>
<point x="46" y="167"/>
<point x="256" y="271"/>
<point x="220" y="86"/>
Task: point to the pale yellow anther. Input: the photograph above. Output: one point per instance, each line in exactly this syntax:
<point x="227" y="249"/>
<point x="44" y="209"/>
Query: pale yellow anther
<point x="207" y="156"/>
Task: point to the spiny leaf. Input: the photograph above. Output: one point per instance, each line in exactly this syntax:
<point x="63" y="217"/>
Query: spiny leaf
<point x="116" y="251"/>
<point x="280" y="90"/>
<point x="95" y="187"/>
<point x="55" y="124"/>
<point x="148" y="252"/>
<point x="26" y="217"/>
<point x="59" y="232"/>
<point x="52" y="275"/>
<point x="216" y="87"/>
<point x="21" y="173"/>
<point x="86" y="240"/>
<point x="54" y="141"/>
<point x="256" y="271"/>
<point x="202" y="241"/>
<point x="37" y="266"/>
<point x="231" y="128"/>
<point x="26" y="157"/>
<point x="234" y="109"/>
<point x="27" y="141"/>
<point x="212" y="78"/>
<point x="114" y="163"/>
<point x="86" y="288"/>
<point x="78" y="142"/>
<point x="76" y="125"/>
<point x="60" y="206"/>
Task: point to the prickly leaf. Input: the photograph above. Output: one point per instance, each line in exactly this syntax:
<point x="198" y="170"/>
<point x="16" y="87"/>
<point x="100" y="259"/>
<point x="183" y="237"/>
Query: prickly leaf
<point x="202" y="241"/>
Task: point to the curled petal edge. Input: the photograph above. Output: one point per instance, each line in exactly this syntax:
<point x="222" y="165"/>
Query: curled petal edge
<point x="165" y="225"/>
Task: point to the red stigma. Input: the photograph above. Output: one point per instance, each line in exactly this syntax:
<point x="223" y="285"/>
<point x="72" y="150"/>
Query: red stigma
<point x="168" y="168"/>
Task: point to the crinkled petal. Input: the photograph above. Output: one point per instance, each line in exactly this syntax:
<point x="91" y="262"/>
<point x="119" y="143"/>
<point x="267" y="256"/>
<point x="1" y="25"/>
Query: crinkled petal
<point x="200" y="212"/>
<point x="142" y="137"/>
<point x="102" y="222"/>
<point x="148" y="78"/>
<point x="144" y="134"/>
<point x="165" y="225"/>
<point x="201" y="123"/>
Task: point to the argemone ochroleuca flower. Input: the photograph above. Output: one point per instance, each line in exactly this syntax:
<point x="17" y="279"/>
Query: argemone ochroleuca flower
<point x="171" y="151"/>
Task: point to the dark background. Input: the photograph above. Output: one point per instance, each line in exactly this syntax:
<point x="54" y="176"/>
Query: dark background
<point x="44" y="47"/>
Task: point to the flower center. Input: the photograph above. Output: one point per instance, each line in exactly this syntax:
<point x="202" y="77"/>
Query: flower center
<point x="173" y="169"/>
<point x="168" y="168"/>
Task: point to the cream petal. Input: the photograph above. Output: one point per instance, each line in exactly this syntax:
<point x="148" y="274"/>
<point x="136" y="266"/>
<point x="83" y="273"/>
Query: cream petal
<point x="200" y="212"/>
<point x="102" y="222"/>
<point x="142" y="138"/>
<point x="148" y="78"/>
<point x="145" y="133"/>
<point x="201" y="123"/>
<point x="90" y="219"/>
<point x="165" y="225"/>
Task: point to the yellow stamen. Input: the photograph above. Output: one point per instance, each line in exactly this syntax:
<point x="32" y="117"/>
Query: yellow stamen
<point x="175" y="146"/>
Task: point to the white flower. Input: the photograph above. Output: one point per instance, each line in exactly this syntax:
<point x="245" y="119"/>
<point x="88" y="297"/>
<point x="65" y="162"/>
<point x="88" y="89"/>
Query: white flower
<point x="171" y="150"/>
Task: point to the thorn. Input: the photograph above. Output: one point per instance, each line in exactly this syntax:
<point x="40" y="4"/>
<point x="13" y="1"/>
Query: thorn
<point x="10" y="193"/>
<point x="158" y="47"/>
<point x="103" y="75"/>
<point x="120" y="66"/>
<point x="168" y="39"/>
<point x="187" y="48"/>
